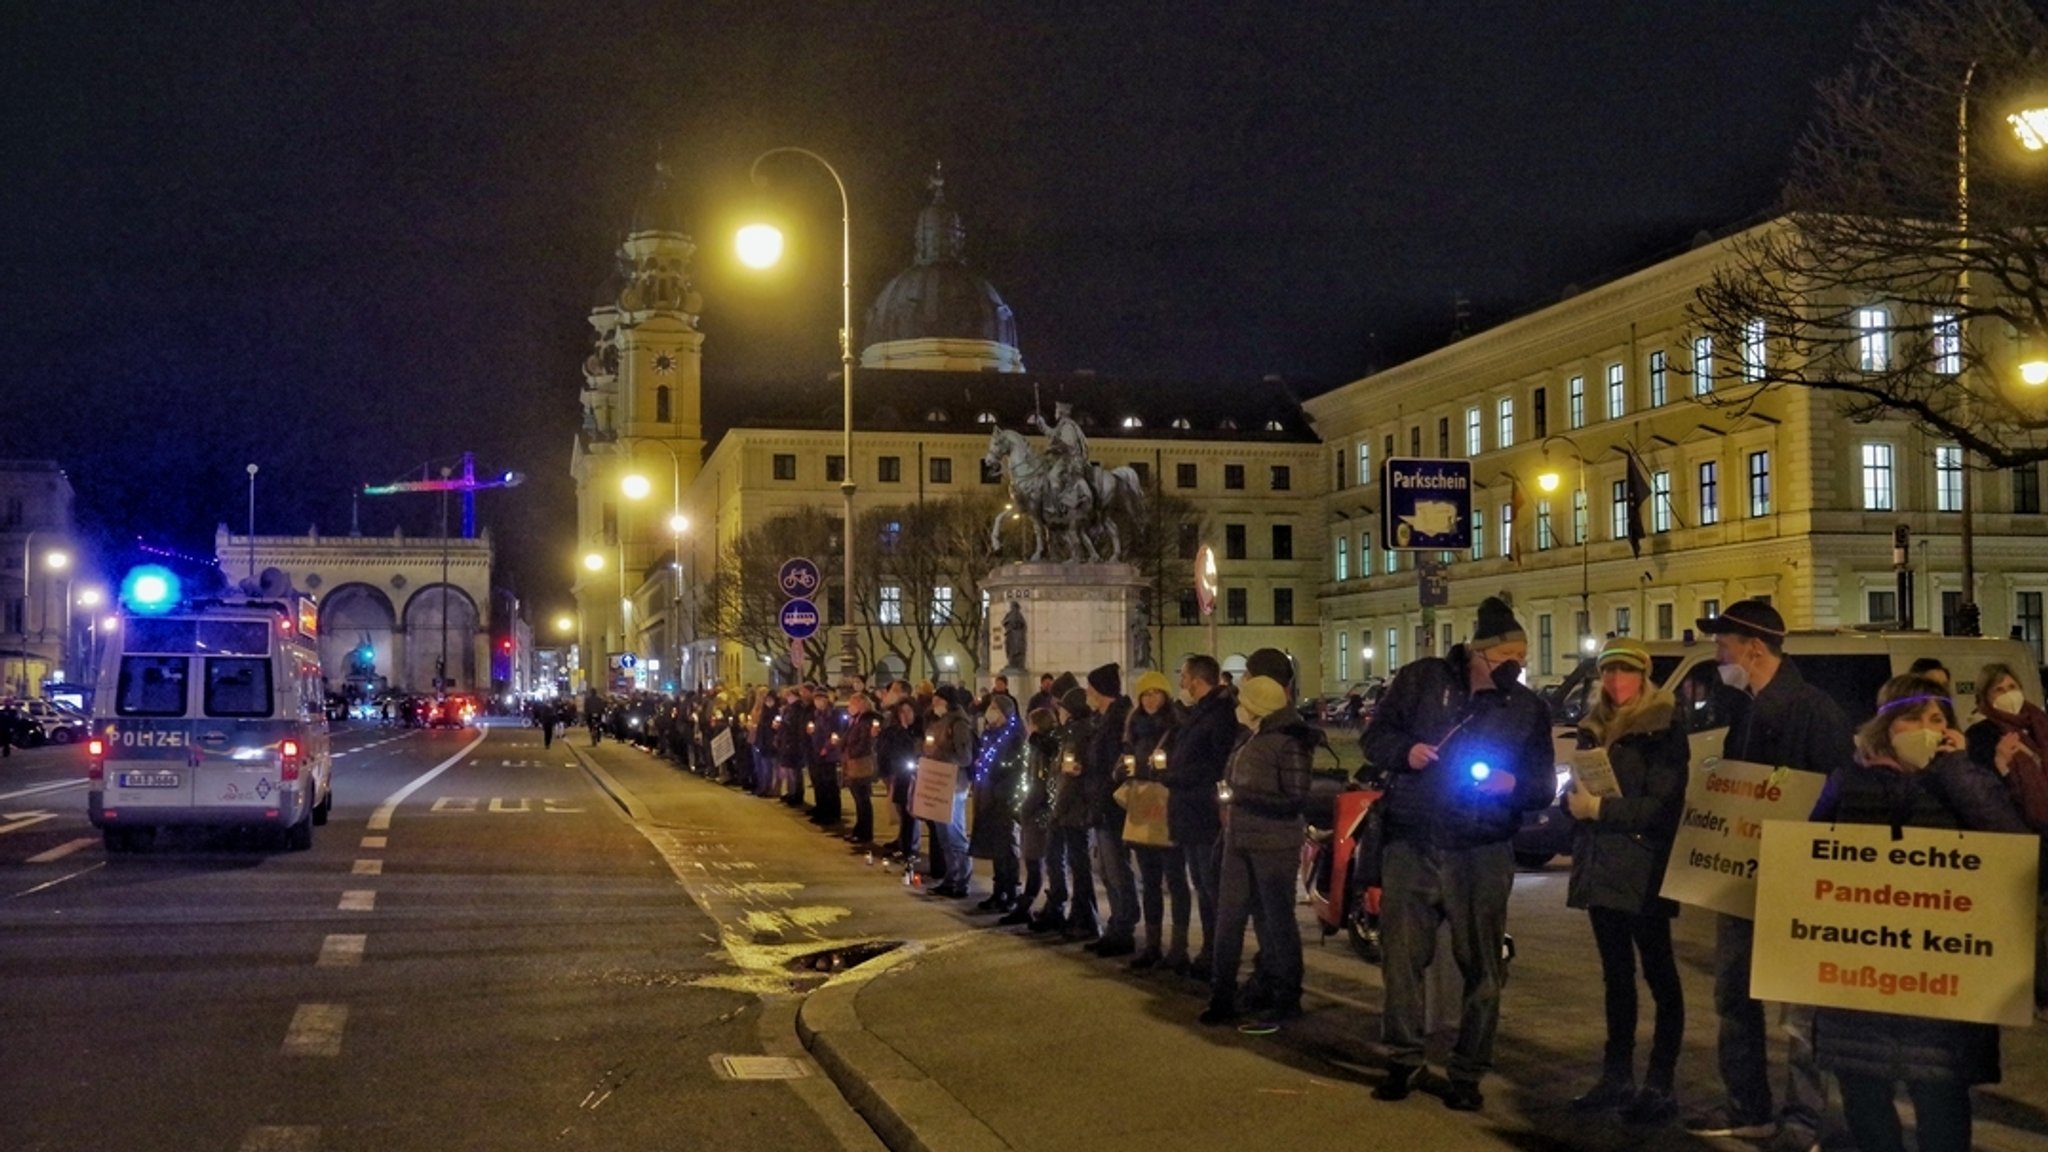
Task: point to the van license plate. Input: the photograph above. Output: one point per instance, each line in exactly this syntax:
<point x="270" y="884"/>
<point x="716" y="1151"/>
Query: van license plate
<point x="149" y="779"/>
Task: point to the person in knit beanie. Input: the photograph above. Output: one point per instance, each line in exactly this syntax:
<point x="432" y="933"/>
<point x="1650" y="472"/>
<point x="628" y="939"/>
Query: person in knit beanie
<point x="1466" y="749"/>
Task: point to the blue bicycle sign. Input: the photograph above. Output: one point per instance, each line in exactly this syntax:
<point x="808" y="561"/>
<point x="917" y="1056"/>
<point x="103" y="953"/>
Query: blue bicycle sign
<point x="798" y="577"/>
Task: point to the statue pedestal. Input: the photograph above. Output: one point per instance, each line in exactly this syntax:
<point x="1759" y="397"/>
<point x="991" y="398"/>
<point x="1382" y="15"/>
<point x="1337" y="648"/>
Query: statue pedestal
<point x="1077" y="617"/>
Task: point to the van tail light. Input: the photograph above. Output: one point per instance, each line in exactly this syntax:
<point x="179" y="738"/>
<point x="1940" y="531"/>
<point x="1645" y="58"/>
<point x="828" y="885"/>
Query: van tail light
<point x="96" y="759"/>
<point x="288" y="756"/>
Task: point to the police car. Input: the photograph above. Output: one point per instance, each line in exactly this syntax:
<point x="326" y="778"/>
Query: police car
<point x="210" y="712"/>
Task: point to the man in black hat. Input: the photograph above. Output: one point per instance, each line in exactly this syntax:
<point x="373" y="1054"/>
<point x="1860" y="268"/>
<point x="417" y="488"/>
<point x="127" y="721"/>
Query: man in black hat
<point x="1467" y="750"/>
<point x="1780" y="720"/>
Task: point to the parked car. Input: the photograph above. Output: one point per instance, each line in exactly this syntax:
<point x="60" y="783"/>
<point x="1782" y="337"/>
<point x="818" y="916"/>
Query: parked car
<point x="42" y="722"/>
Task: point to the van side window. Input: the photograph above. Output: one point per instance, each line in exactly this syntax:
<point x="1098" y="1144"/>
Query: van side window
<point x="1850" y="681"/>
<point x="238" y="686"/>
<point x="150" y="686"/>
<point x="1704" y="702"/>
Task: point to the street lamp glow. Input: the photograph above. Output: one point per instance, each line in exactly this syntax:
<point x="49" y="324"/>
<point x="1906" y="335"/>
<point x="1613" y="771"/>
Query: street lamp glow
<point x="594" y="561"/>
<point x="2034" y="372"/>
<point x="678" y="524"/>
<point x="636" y="486"/>
<point x="58" y="561"/>
<point x="563" y="624"/>
<point x="760" y="245"/>
<point x="1590" y="645"/>
<point x="2031" y="126"/>
<point x="1548" y="481"/>
<point x="90" y="598"/>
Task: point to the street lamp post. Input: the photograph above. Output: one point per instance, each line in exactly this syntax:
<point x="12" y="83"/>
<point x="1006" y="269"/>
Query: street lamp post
<point x="252" y="521"/>
<point x="55" y="560"/>
<point x="760" y="246"/>
<point x="1549" y="481"/>
<point x="678" y="524"/>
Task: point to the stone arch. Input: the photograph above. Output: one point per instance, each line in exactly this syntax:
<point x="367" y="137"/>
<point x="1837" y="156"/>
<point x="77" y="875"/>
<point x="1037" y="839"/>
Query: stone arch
<point x="352" y="614"/>
<point x="425" y="612"/>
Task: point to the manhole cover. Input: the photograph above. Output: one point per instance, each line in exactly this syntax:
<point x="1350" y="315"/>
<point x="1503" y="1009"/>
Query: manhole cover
<point x="759" y="1068"/>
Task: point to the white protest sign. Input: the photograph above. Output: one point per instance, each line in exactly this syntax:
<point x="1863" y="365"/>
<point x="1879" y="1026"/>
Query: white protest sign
<point x="721" y="746"/>
<point x="1713" y="857"/>
<point x="1936" y="923"/>
<point x="931" y="798"/>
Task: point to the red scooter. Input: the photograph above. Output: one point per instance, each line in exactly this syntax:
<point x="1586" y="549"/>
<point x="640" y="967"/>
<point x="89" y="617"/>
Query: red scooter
<point x="1331" y="861"/>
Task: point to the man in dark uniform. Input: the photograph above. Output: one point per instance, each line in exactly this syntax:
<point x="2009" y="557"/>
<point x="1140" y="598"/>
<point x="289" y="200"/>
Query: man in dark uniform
<point x="1782" y="721"/>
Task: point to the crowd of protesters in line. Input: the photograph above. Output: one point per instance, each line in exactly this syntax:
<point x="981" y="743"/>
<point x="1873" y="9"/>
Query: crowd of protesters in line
<point x="1049" y="792"/>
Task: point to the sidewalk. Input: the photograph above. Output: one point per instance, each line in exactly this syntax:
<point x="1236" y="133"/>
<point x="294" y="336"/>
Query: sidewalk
<point x="974" y="1037"/>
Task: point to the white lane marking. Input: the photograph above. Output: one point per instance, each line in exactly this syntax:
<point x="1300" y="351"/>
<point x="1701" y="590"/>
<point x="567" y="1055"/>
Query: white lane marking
<point x="316" y="1030"/>
<point x="374" y="841"/>
<point x="16" y="821"/>
<point x="367" y="868"/>
<point x="358" y="900"/>
<point x="41" y="789"/>
<point x="63" y="850"/>
<point x="497" y="805"/>
<point x="59" y="880"/>
<point x="281" y="1138"/>
<point x="380" y="820"/>
<point x="342" y="950"/>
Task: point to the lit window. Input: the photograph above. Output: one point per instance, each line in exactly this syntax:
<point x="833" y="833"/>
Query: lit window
<point x="1617" y="510"/>
<point x="1507" y="530"/>
<point x="1948" y="478"/>
<point x="1365" y="553"/>
<point x="1478" y="533"/>
<point x="1578" y="516"/>
<point x="1275" y="426"/>
<point x="985" y="417"/>
<point x="1873" y="340"/>
<point x="1658" y="371"/>
<point x="1365" y="475"/>
<point x="1877" y="477"/>
<point x="1710" y="492"/>
<point x="1948" y="343"/>
<point x="942" y="605"/>
<point x="1343" y="558"/>
<point x="1660" y="501"/>
<point x="1133" y="422"/>
<point x="936" y="416"/>
<point x="1343" y="657"/>
<point x="1473" y="438"/>
<point x="1702" y="365"/>
<point x="1759" y="483"/>
<point x="892" y="604"/>
<point x="1617" y="392"/>
<point x="1507" y="422"/>
<point x="1753" y="350"/>
<point x="1182" y="423"/>
<point x="1543" y="540"/>
<point x="1575" y="401"/>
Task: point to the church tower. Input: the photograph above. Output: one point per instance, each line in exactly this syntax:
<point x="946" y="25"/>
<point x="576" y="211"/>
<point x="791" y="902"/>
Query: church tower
<point x="642" y="416"/>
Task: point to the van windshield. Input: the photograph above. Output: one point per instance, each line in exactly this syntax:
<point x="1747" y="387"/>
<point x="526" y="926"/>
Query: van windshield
<point x="150" y="686"/>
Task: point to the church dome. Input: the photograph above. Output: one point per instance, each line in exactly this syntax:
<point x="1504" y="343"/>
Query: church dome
<point x="938" y="298"/>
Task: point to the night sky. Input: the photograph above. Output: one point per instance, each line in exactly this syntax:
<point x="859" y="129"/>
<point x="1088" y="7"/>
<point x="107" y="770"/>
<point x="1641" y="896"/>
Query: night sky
<point x="346" y="240"/>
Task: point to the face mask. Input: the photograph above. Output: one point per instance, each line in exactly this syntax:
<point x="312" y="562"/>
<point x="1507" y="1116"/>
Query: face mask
<point x="1506" y="674"/>
<point x="1916" y="748"/>
<point x="1735" y="676"/>
<point x="1246" y="719"/>
<point x="2009" y="702"/>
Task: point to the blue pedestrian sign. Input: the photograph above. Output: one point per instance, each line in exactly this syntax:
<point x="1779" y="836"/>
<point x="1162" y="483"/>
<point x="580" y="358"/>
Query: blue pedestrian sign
<point x="628" y="660"/>
<point x="1426" y="505"/>
<point x="799" y="578"/>
<point x="799" y="619"/>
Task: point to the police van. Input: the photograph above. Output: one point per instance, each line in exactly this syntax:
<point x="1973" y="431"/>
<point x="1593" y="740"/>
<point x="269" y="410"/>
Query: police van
<point x="210" y="712"/>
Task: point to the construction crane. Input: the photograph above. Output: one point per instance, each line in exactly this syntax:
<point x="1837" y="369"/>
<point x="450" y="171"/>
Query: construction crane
<point x="465" y="482"/>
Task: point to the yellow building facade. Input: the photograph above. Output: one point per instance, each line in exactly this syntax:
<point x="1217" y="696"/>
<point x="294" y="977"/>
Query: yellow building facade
<point x="1774" y="495"/>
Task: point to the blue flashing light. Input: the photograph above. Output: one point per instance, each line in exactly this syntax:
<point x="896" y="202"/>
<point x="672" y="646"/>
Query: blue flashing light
<point x="1481" y="770"/>
<point x="151" y="589"/>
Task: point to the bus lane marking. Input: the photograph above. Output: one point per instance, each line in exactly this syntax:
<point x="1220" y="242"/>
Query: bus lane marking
<point x="380" y="820"/>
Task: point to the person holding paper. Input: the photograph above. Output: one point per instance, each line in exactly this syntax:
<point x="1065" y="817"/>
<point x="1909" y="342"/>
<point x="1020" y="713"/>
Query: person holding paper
<point x="1910" y="771"/>
<point x="1782" y="721"/>
<point x="1620" y="847"/>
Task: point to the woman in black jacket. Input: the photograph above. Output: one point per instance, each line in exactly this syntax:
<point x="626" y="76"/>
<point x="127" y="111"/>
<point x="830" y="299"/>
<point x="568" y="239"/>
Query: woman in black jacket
<point x="1910" y="771"/>
<point x="896" y="751"/>
<point x="1619" y="851"/>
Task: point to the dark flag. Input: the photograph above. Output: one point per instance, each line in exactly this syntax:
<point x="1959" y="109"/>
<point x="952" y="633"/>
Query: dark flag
<point x="1638" y="495"/>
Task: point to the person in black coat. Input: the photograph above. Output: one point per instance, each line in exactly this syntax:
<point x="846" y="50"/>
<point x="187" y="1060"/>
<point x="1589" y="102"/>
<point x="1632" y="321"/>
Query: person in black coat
<point x="1468" y="750"/>
<point x="1910" y="771"/>
<point x="1621" y="845"/>
<point x="1194" y="766"/>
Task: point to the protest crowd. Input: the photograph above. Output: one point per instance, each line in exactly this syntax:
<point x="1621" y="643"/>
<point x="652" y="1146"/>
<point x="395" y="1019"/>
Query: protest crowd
<point x="1155" y="820"/>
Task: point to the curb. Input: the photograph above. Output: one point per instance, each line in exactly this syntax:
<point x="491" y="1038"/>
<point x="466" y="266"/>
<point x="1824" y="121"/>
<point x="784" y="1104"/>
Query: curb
<point x="909" y="1110"/>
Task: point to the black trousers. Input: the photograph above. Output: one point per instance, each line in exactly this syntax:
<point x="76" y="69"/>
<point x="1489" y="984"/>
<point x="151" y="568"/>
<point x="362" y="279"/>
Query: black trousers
<point x="1941" y="1113"/>
<point x="1621" y="937"/>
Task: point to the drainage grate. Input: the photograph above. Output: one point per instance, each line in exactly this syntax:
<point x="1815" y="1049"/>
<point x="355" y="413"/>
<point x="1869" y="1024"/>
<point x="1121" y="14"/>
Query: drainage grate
<point x="830" y="961"/>
<point x="759" y="1068"/>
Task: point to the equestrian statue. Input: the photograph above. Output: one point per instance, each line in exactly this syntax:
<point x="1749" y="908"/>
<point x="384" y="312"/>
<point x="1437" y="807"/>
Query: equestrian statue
<point x="1067" y="497"/>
